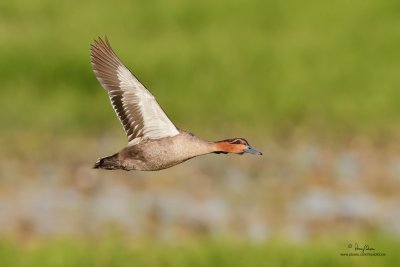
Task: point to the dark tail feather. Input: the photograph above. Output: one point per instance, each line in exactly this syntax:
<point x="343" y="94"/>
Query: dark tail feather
<point x="108" y="163"/>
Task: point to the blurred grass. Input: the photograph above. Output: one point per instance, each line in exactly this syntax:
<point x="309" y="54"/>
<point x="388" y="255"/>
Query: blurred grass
<point x="116" y="253"/>
<point x="264" y="65"/>
<point x="276" y="67"/>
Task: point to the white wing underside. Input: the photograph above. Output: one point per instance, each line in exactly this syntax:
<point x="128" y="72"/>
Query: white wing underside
<point x="140" y="114"/>
<point x="156" y="123"/>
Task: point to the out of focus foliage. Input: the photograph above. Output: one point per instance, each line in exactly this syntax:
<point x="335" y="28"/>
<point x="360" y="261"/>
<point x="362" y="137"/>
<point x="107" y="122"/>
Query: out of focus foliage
<point x="316" y="83"/>
<point x="273" y="66"/>
<point x="117" y="253"/>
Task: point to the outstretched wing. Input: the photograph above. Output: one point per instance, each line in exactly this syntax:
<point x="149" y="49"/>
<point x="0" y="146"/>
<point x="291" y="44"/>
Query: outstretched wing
<point x="137" y="109"/>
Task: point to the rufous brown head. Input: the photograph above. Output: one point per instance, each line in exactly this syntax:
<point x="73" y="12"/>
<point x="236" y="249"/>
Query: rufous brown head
<point x="235" y="145"/>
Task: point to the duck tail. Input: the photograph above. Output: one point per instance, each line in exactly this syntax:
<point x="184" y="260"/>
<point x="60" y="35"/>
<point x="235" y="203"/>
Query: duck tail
<point x="108" y="163"/>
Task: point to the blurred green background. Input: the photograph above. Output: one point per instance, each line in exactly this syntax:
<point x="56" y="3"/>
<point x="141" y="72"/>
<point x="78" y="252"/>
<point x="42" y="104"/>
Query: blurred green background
<point x="312" y="84"/>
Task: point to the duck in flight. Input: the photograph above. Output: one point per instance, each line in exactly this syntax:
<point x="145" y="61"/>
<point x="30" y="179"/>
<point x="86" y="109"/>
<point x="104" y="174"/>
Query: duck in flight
<point x="154" y="143"/>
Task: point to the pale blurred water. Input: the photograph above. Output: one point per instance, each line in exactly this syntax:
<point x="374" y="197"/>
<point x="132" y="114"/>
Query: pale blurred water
<point x="301" y="191"/>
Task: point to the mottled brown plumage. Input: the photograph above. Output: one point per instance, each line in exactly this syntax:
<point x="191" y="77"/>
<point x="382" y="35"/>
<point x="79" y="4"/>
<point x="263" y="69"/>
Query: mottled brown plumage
<point x="154" y="143"/>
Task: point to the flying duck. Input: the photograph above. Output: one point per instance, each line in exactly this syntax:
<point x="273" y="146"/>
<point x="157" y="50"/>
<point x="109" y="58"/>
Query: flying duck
<point x="154" y="142"/>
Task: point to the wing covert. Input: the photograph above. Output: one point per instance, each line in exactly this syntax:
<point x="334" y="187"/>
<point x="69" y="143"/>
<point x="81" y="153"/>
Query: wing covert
<point x="137" y="109"/>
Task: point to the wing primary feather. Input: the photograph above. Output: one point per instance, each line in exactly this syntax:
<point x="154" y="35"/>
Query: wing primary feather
<point x="138" y="111"/>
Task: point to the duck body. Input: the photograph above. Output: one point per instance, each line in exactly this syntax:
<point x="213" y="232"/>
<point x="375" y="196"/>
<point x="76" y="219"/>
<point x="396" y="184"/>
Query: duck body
<point x="154" y="143"/>
<point x="153" y="155"/>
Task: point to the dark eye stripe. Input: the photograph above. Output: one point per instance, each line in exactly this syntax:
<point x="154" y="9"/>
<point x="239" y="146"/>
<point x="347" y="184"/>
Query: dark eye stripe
<point x="238" y="141"/>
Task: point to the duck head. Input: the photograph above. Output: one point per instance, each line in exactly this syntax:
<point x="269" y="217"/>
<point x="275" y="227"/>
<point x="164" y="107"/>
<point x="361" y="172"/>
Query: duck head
<point x="235" y="145"/>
